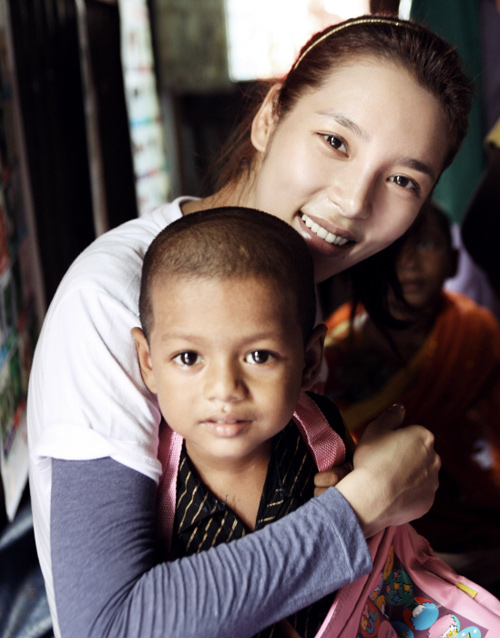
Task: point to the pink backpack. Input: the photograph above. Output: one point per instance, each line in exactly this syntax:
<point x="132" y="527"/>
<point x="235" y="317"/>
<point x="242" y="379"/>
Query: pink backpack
<point x="409" y="593"/>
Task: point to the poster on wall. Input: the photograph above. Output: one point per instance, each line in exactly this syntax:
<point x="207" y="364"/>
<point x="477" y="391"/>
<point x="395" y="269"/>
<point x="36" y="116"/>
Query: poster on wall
<point x="19" y="314"/>
<point x="143" y="106"/>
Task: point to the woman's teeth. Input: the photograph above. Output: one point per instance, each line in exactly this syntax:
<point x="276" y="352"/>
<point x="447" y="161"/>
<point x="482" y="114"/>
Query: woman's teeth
<point x="322" y="233"/>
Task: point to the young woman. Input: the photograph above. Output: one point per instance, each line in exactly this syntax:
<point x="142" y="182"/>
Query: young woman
<point x="346" y="149"/>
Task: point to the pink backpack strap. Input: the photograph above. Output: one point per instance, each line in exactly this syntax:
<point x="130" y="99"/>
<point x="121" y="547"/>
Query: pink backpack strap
<point x="326" y="445"/>
<point x="169" y="454"/>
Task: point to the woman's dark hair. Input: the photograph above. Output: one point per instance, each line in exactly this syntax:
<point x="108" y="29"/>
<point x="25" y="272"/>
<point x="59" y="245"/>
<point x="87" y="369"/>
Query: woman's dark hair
<point x="427" y="57"/>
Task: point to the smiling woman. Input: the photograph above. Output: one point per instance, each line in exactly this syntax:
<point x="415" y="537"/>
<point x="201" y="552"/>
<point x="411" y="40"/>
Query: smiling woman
<point x="353" y="139"/>
<point x="345" y="149"/>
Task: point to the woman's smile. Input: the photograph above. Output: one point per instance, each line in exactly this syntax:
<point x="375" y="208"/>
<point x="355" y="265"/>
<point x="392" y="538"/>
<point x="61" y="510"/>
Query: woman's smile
<point x="323" y="233"/>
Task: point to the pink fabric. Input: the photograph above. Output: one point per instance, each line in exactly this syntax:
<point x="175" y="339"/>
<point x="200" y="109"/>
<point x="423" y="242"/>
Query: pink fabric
<point x="169" y="454"/>
<point x="433" y="603"/>
<point x="325" y="444"/>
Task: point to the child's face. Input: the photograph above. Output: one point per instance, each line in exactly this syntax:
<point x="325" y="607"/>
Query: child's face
<point x="425" y="262"/>
<point x="227" y="361"/>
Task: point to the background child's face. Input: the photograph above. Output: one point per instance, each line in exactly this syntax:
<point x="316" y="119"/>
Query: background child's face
<point x="227" y="361"/>
<point x="425" y="262"/>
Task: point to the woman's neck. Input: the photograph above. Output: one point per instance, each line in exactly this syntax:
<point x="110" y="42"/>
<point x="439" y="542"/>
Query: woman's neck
<point x="239" y="193"/>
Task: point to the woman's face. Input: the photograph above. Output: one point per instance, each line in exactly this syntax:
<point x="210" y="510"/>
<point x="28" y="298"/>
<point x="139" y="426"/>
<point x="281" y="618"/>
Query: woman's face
<point x="351" y="164"/>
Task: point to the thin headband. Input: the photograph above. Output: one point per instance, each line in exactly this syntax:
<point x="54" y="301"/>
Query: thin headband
<point x="344" y="25"/>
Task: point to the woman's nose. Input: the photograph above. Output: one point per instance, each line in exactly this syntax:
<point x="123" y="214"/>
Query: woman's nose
<point x="352" y="193"/>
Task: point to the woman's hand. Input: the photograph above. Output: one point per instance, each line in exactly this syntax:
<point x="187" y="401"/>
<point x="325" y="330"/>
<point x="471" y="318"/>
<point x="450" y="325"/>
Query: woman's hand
<point x="395" y="473"/>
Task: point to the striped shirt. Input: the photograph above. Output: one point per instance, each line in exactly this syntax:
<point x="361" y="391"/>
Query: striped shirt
<point x="203" y="521"/>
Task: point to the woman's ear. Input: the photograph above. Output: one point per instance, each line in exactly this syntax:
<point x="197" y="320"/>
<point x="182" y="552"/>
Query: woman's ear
<point x="264" y="122"/>
<point x="313" y="356"/>
<point x="144" y="357"/>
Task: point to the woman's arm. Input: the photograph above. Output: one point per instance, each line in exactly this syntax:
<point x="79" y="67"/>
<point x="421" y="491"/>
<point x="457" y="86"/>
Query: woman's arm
<point x="108" y="580"/>
<point x="103" y="545"/>
<point x="395" y="474"/>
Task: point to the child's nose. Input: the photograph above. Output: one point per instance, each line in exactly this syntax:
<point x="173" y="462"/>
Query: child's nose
<point x="224" y="381"/>
<point x="408" y="257"/>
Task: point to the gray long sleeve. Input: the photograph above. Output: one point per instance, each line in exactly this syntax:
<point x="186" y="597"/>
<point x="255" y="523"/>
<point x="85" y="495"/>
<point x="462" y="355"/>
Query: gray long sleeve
<point x="109" y="582"/>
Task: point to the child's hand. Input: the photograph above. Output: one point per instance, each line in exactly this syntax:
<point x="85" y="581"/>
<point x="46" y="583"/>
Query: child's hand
<point x="395" y="474"/>
<point x="330" y="478"/>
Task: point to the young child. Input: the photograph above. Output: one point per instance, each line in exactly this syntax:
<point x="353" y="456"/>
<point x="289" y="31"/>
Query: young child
<point x="443" y="365"/>
<point x="228" y="343"/>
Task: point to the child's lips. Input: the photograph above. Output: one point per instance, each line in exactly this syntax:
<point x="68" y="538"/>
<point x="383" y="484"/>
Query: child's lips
<point x="411" y="284"/>
<point x="226" y="426"/>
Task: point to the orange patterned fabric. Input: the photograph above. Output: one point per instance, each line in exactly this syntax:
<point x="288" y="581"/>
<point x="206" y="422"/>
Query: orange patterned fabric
<point x="451" y="386"/>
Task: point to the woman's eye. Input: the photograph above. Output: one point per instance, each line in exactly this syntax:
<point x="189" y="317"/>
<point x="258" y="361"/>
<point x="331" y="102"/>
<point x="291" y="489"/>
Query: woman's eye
<point x="188" y="358"/>
<point x="405" y="182"/>
<point x="258" y="356"/>
<point x="336" y="142"/>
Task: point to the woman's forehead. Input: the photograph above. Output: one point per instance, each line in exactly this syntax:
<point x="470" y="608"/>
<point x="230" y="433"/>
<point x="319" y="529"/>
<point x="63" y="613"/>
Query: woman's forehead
<point x="340" y="69"/>
<point x="378" y="97"/>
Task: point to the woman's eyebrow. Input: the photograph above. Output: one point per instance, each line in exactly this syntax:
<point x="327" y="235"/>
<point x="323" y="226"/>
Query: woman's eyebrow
<point x="417" y="165"/>
<point x="346" y="122"/>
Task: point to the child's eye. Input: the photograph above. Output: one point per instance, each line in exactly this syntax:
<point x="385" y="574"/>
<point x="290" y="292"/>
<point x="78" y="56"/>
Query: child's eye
<point x="258" y="356"/>
<point x="336" y="142"/>
<point x="188" y="358"/>
<point x="427" y="244"/>
<point x="405" y="182"/>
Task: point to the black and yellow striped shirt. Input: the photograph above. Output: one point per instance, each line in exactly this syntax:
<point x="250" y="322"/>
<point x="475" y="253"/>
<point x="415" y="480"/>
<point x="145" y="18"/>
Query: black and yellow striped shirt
<point x="202" y="520"/>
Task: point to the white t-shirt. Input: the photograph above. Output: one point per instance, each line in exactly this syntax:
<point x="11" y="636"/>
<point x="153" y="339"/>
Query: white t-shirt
<point x="86" y="398"/>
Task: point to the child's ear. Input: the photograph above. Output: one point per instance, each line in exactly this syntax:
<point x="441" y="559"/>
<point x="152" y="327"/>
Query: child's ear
<point x="264" y="122"/>
<point x="144" y="358"/>
<point x="313" y="356"/>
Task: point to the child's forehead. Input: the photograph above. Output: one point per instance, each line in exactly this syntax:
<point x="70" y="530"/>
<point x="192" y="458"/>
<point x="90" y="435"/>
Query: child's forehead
<point x="252" y="288"/>
<point x="431" y="226"/>
<point x="207" y="305"/>
<point x="193" y="279"/>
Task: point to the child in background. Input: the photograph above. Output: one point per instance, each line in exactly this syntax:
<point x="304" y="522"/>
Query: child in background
<point x="442" y="362"/>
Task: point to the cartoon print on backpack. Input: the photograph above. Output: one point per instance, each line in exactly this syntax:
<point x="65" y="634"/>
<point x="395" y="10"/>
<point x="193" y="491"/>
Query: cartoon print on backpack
<point x="449" y="627"/>
<point x="410" y="614"/>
